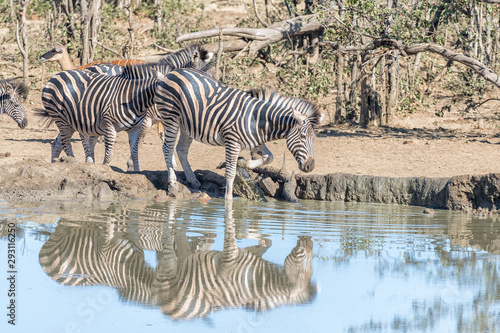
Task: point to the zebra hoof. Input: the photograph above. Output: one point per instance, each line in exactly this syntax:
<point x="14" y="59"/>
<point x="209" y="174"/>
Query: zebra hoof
<point x="195" y="184"/>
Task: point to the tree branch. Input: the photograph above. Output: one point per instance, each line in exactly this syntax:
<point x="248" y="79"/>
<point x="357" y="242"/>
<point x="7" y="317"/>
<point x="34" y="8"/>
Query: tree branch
<point x="477" y="66"/>
<point x="257" y="14"/>
<point x="261" y="38"/>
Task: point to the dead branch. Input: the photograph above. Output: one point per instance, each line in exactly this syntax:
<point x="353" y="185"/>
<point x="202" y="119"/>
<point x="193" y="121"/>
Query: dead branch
<point x="257" y="14"/>
<point x="477" y="66"/>
<point x="305" y="25"/>
<point x="164" y="48"/>
<point x="219" y="54"/>
<point x="260" y="38"/>
<point x="110" y="50"/>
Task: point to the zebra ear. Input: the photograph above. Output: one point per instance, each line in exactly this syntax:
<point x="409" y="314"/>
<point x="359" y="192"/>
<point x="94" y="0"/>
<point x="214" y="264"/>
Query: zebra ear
<point x="209" y="57"/>
<point x="9" y="90"/>
<point x="321" y="117"/>
<point x="299" y="117"/>
<point x="195" y="56"/>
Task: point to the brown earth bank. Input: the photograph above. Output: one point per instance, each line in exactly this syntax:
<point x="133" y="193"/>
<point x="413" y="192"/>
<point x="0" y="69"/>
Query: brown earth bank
<point x="451" y="165"/>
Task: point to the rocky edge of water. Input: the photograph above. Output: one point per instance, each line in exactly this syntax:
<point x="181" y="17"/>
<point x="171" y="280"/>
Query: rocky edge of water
<point x="35" y="180"/>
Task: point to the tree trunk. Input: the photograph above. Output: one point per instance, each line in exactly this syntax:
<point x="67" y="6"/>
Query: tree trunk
<point x="383" y="93"/>
<point x="374" y="103"/>
<point x="90" y="25"/>
<point x="22" y="36"/>
<point x="353" y="95"/>
<point x="364" y="113"/>
<point x="131" y="31"/>
<point x="489" y="23"/>
<point x="393" y="84"/>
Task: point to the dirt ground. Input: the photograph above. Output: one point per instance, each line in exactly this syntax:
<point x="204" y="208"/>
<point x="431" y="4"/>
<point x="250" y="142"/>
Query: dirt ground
<point x="419" y="144"/>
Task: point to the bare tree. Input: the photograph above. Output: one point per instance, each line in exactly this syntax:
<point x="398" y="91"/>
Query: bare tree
<point x="18" y="15"/>
<point x="89" y="26"/>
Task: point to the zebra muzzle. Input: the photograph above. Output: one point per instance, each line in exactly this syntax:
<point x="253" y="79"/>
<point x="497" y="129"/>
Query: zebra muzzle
<point x="23" y="123"/>
<point x="307" y="165"/>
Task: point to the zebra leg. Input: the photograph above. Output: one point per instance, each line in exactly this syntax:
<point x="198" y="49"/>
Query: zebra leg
<point x="262" y="150"/>
<point x="88" y="148"/>
<point x="232" y="152"/>
<point x="92" y="142"/>
<point x="135" y="138"/>
<point x="182" y="152"/>
<point x="109" y="142"/>
<point x="56" y="148"/>
<point x="168" y="152"/>
<point x="63" y="141"/>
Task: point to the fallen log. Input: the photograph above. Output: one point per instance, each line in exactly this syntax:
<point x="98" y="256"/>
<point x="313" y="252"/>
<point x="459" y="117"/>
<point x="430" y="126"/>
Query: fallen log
<point x="260" y="38"/>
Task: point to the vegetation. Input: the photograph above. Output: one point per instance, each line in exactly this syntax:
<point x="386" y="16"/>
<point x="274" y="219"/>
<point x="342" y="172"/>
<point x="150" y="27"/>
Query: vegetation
<point x="362" y="60"/>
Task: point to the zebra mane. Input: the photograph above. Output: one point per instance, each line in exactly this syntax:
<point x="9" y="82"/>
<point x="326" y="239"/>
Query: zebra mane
<point x="193" y="52"/>
<point x="193" y="56"/>
<point x="303" y="106"/>
<point x="19" y="87"/>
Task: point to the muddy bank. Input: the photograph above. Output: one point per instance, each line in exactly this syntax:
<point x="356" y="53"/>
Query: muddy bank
<point x="36" y="180"/>
<point x="467" y="193"/>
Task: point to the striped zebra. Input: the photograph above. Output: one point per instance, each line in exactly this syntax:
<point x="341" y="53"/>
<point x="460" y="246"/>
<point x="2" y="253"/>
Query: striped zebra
<point x="12" y="96"/>
<point x="206" y="281"/>
<point x="205" y="110"/>
<point x="95" y="104"/>
<point x="95" y="253"/>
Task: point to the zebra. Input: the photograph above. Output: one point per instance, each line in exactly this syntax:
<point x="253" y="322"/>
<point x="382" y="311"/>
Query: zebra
<point x="208" y="111"/>
<point x="96" y="253"/>
<point x="206" y="281"/>
<point x="116" y="99"/>
<point x="12" y="95"/>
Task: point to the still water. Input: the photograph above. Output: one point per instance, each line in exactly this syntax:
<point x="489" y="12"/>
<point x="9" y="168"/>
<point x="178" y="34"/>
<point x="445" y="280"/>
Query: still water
<point x="249" y="267"/>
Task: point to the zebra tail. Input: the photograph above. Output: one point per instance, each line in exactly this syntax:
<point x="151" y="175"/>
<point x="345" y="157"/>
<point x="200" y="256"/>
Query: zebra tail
<point x="45" y="119"/>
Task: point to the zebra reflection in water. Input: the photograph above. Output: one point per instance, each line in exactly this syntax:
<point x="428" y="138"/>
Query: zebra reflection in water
<point x="212" y="280"/>
<point x="190" y="280"/>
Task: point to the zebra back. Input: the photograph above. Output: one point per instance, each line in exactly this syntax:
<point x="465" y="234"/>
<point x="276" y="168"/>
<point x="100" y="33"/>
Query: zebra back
<point x="303" y="106"/>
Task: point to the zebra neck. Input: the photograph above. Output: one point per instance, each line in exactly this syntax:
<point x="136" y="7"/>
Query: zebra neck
<point x="142" y="98"/>
<point x="275" y="123"/>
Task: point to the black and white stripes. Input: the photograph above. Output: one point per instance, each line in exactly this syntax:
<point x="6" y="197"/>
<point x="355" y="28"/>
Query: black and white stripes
<point x="105" y="99"/>
<point x="12" y="94"/>
<point x="207" y="281"/>
<point x="205" y="110"/>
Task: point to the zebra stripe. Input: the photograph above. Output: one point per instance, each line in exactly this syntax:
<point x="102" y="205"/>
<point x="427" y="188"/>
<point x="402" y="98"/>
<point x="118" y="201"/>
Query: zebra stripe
<point x="95" y="104"/>
<point x="84" y="255"/>
<point x="205" y="110"/>
<point x="12" y="94"/>
<point x="207" y="281"/>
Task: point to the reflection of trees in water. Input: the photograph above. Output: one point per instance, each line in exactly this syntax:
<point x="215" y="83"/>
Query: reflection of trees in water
<point x="107" y="249"/>
<point x="469" y="296"/>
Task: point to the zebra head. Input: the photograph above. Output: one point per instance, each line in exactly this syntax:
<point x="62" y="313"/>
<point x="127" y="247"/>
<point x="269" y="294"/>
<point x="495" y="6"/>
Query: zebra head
<point x="12" y="94"/>
<point x="299" y="271"/>
<point x="300" y="139"/>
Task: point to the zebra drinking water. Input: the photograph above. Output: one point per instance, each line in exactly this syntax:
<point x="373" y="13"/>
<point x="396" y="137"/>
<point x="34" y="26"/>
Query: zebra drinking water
<point x="12" y="95"/>
<point x="205" y="110"/>
<point x="94" y="104"/>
